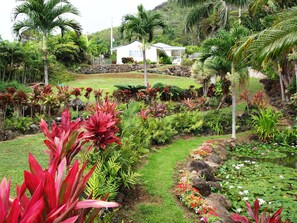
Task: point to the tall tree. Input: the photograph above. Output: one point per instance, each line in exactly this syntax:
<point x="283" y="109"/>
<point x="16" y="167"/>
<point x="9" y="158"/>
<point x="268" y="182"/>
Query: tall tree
<point x="142" y="26"/>
<point x="43" y="17"/>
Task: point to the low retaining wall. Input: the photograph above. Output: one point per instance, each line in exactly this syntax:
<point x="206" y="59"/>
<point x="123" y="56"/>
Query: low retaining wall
<point x="113" y="68"/>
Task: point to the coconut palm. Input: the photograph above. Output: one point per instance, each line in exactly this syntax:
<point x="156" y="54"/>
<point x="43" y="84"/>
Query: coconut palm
<point x="43" y="17"/>
<point x="142" y="27"/>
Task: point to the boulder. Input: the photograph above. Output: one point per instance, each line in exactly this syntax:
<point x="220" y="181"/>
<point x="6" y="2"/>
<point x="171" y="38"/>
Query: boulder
<point x="213" y="166"/>
<point x="221" y="204"/>
<point x="77" y="104"/>
<point x="214" y="185"/>
<point x="206" y="174"/>
<point x="201" y="185"/>
<point x="197" y="165"/>
<point x="213" y="157"/>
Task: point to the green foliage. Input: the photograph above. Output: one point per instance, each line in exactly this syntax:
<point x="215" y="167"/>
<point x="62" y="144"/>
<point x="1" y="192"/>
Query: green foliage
<point x="192" y="49"/>
<point x="15" y="85"/>
<point x="262" y="151"/>
<point x="21" y="124"/>
<point x="59" y="73"/>
<point x="164" y="59"/>
<point x="287" y="136"/>
<point x="264" y="124"/>
<point x="111" y="172"/>
<point x="134" y="89"/>
<point x="187" y="122"/>
<point x="216" y="122"/>
<point x="293" y="101"/>
<point x="160" y="129"/>
<point x="128" y="60"/>
<point x="187" y="62"/>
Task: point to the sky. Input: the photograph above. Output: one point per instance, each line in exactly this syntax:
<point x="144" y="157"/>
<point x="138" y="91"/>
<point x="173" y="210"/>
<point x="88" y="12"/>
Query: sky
<point x="95" y="15"/>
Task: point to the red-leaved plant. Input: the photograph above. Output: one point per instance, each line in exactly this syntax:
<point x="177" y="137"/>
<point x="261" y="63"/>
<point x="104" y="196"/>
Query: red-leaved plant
<point x="54" y="195"/>
<point x="102" y="125"/>
<point x="256" y="217"/>
<point x="65" y="140"/>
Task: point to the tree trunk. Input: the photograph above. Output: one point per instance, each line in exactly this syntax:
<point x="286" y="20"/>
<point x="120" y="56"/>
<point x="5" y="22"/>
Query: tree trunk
<point x="144" y="63"/>
<point x="281" y="83"/>
<point x="296" y="75"/>
<point x="44" y="50"/>
<point x="233" y="110"/>
<point x="239" y="15"/>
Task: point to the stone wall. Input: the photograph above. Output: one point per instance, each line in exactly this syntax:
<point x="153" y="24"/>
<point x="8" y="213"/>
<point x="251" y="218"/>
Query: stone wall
<point x="113" y="68"/>
<point x="181" y="71"/>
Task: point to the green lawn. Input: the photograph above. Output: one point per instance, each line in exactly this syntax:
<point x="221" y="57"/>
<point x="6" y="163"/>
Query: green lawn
<point x="107" y="81"/>
<point x="14" y="156"/>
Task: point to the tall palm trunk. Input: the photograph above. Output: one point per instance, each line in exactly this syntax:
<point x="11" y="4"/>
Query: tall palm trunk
<point x="296" y="74"/>
<point x="281" y="83"/>
<point x="233" y="87"/>
<point x="45" y="64"/>
<point x="144" y="63"/>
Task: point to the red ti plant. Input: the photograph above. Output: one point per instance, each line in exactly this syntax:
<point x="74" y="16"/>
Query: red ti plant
<point x="245" y="96"/>
<point x="88" y="93"/>
<point x="190" y="104"/>
<point x="5" y="101"/>
<point x="144" y="114"/>
<point x="76" y="92"/>
<point x="65" y="140"/>
<point x="64" y="95"/>
<point x="101" y="129"/>
<point x="254" y="215"/>
<point x="19" y="100"/>
<point x="54" y="195"/>
<point x="258" y="100"/>
<point x="98" y="94"/>
<point x="11" y="90"/>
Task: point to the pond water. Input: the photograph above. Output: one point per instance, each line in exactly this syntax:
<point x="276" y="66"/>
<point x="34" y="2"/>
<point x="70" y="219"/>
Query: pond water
<point x="289" y="161"/>
<point x="265" y="172"/>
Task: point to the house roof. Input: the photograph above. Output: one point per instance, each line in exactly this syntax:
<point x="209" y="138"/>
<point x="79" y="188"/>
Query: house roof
<point x="168" y="47"/>
<point x="161" y="46"/>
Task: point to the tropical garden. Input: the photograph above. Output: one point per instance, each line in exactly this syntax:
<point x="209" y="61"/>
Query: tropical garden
<point x="214" y="141"/>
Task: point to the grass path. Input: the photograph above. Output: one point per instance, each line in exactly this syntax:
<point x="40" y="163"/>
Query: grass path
<point x="158" y="180"/>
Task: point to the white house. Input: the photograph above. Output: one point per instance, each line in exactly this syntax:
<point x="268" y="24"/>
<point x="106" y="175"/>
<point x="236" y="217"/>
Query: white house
<point x="153" y="52"/>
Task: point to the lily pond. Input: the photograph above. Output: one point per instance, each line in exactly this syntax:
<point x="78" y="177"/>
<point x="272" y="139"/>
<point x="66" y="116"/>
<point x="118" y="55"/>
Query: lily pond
<point x="263" y="171"/>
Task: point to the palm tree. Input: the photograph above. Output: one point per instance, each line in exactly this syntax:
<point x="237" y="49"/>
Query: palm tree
<point x="43" y="17"/>
<point x="142" y="27"/>
<point x="274" y="44"/>
<point x="218" y="54"/>
<point x="206" y="15"/>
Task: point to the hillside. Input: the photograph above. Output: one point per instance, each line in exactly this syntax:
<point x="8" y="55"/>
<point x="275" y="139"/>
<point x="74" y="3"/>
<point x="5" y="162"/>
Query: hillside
<point x="173" y="15"/>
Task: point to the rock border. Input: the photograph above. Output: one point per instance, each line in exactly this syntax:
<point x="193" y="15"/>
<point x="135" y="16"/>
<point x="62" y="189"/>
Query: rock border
<point x="204" y="163"/>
